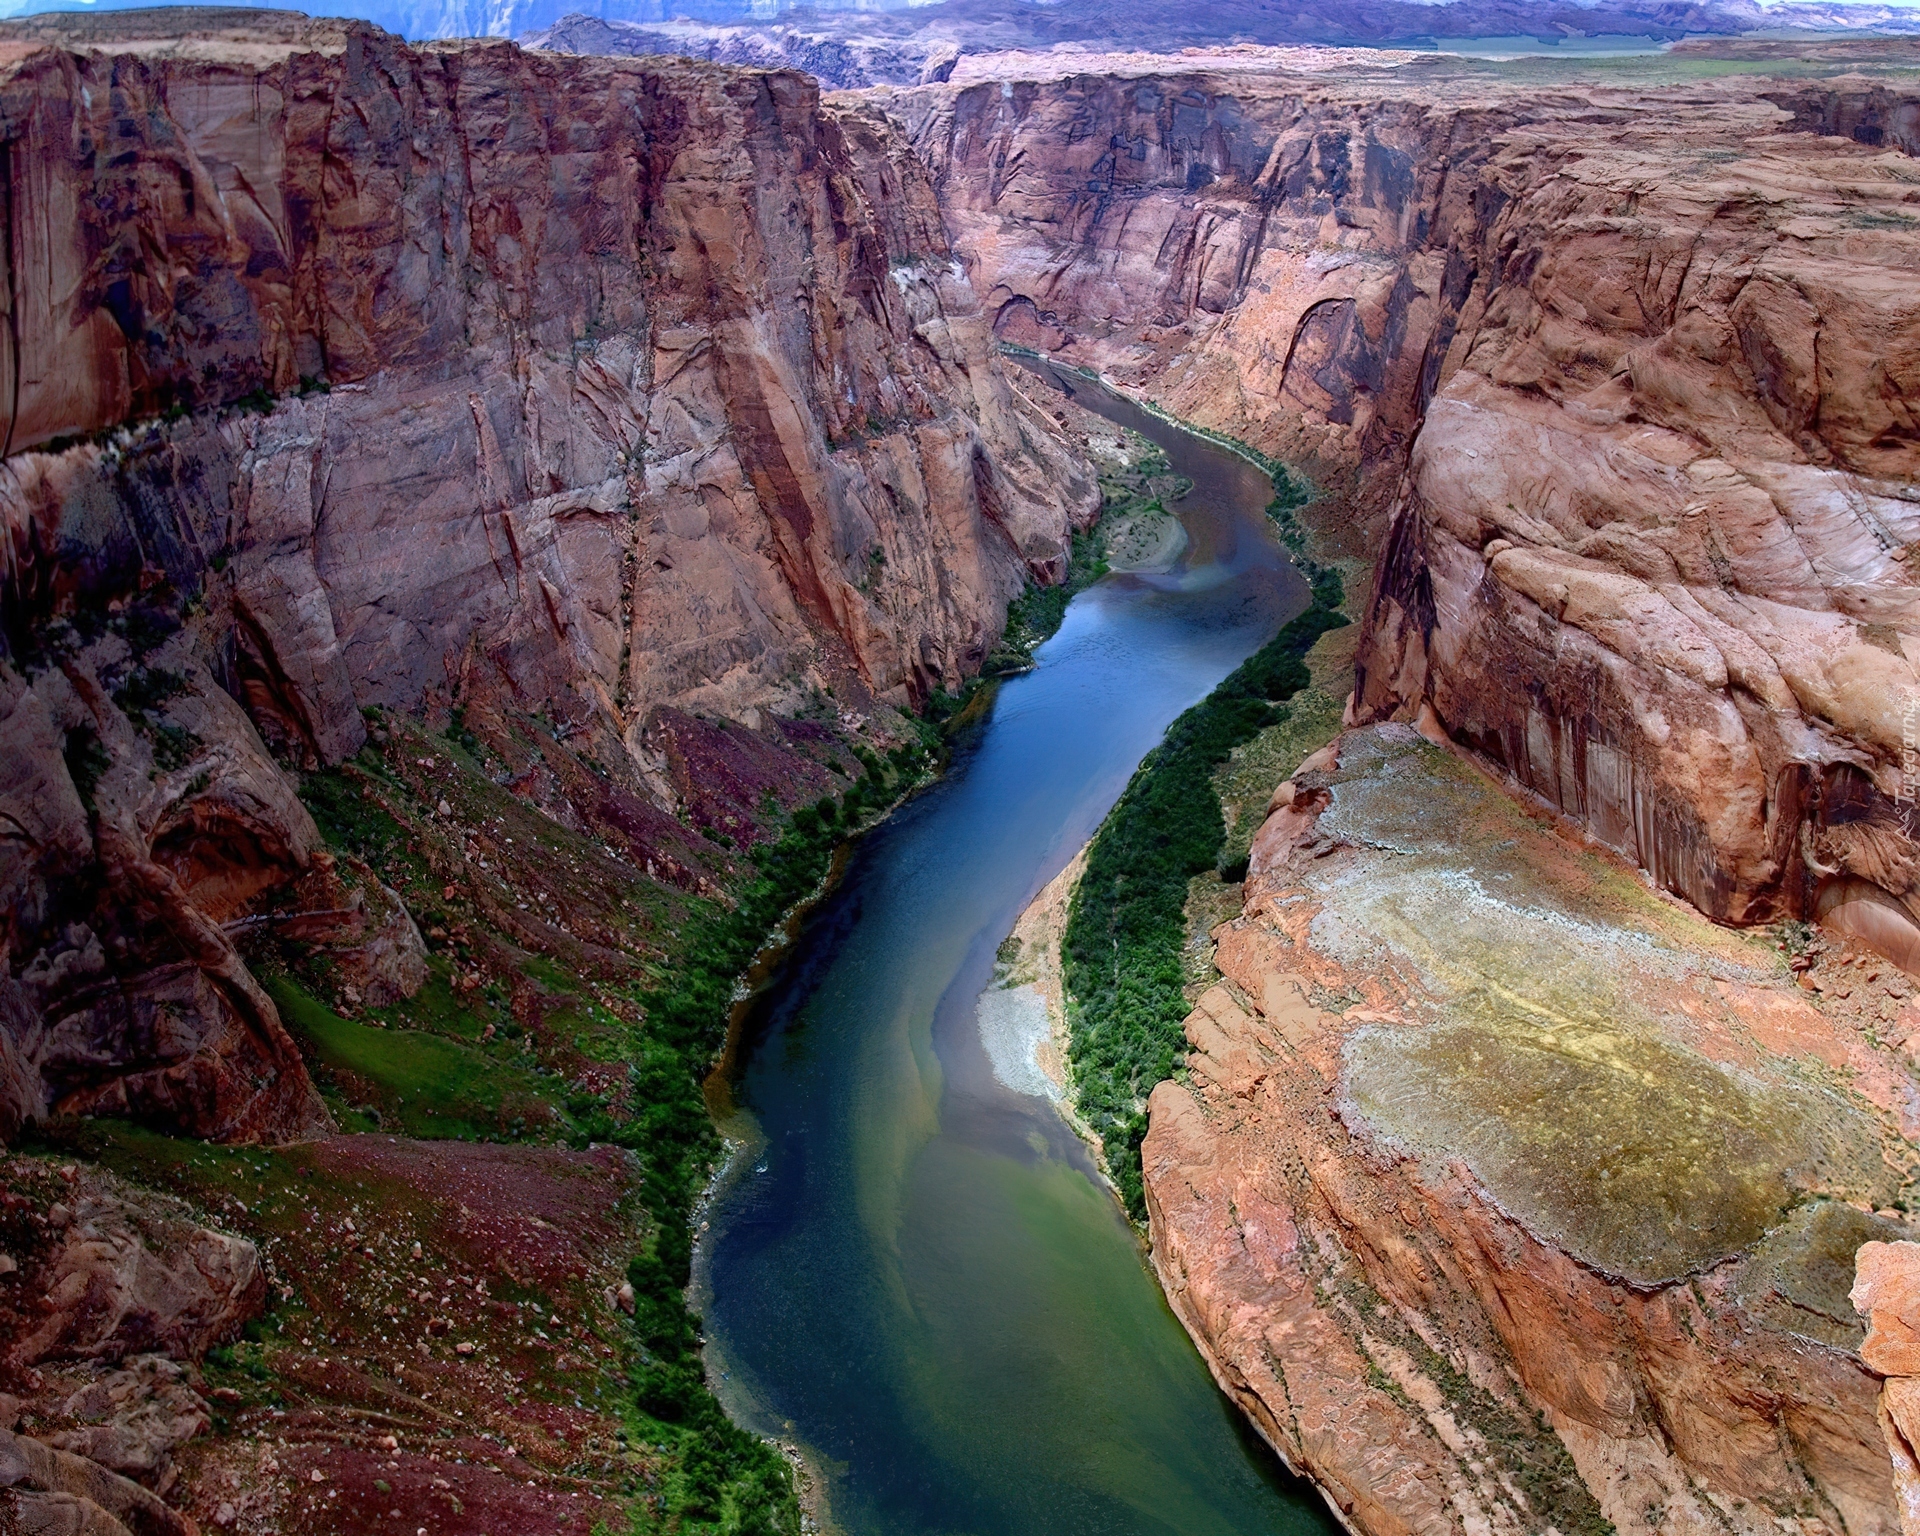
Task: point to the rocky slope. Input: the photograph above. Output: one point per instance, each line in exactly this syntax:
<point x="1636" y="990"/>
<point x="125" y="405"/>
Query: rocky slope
<point x="1615" y="380"/>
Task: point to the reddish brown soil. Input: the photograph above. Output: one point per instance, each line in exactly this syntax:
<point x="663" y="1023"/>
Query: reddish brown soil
<point x="444" y="1352"/>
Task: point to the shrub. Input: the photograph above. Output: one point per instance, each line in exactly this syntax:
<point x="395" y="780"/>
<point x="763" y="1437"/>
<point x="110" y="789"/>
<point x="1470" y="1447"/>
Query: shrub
<point x="1126" y="928"/>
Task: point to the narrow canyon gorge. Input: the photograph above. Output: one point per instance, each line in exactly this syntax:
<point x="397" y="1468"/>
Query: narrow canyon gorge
<point x="1613" y="388"/>
<point x="484" y="525"/>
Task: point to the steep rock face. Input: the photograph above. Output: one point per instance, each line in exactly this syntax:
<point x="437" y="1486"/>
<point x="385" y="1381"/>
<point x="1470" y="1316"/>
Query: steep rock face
<point x="1508" y="1195"/>
<point x="1617" y="382"/>
<point x="1886" y="1291"/>
<point x="1708" y="598"/>
<point x="568" y="292"/>
<point x="1240" y="246"/>
<point x="555" y="384"/>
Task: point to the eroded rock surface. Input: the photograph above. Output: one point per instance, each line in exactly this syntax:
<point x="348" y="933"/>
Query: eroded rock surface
<point x="1509" y="1194"/>
<point x="107" y="1272"/>
<point x="43" y="1490"/>
<point x="1616" y="383"/>
<point x="1886" y="1291"/>
<point x="110" y="1298"/>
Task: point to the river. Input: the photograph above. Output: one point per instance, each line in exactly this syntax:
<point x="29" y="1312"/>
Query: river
<point x="914" y="1274"/>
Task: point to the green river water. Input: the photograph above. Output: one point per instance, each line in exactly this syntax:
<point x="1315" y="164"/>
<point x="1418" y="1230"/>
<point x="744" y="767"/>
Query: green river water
<point x="913" y="1274"/>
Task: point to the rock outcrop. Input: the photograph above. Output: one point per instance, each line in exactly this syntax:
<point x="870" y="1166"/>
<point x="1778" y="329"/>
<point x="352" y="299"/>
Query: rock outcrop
<point x="362" y="377"/>
<point x="109" y="1272"/>
<point x="1886" y="1291"/>
<point x="1617" y="386"/>
<point x="1506" y="1194"/>
<point x="42" y="1489"/>
<point x="111" y="1297"/>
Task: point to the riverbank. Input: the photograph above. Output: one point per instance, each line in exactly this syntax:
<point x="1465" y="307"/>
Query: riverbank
<point x="1028" y="962"/>
<point x="1243" y="785"/>
<point x="917" y="1278"/>
<point x="1258" y="757"/>
<point x="532" y="1122"/>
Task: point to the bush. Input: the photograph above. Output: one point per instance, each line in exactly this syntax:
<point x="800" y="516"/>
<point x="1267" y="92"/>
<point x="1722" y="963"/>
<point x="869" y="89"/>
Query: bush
<point x="1126" y="928"/>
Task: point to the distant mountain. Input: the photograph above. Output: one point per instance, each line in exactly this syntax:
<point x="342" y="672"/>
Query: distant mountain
<point x="425" y="19"/>
<point x="848" y="49"/>
<point x="866" y="42"/>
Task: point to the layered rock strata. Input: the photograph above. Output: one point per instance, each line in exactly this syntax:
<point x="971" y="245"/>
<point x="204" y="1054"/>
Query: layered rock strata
<point x="1506" y="1194"/>
<point x="1615" y="382"/>
<point x="345" y="376"/>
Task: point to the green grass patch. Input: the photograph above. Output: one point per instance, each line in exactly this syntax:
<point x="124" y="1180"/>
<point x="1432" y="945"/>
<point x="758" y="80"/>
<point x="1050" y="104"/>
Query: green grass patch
<point x="422" y="1084"/>
<point x="436" y="1009"/>
<point x="351" y="818"/>
<point x="1121" y="955"/>
<point x="1036" y="615"/>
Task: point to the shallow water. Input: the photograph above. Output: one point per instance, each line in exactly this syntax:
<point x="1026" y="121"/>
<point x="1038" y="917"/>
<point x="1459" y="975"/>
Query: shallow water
<point x="915" y="1275"/>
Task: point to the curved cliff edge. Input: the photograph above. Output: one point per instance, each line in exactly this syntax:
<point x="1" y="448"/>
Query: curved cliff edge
<point x="1508" y="1194"/>
<point x="1613" y="378"/>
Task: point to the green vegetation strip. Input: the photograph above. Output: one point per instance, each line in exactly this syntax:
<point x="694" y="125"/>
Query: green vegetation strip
<point x="716" y="1479"/>
<point x="726" y="1480"/>
<point x="1121" y="954"/>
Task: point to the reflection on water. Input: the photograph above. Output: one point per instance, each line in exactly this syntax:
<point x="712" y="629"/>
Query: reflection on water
<point x="917" y="1279"/>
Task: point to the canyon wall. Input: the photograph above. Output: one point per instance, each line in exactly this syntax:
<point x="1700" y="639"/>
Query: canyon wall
<point x="1503" y="1193"/>
<point x="1614" y="383"/>
<point x="343" y="376"/>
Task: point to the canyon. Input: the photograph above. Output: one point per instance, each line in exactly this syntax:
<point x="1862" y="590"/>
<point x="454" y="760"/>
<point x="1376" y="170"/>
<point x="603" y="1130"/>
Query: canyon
<point x="1608" y="389"/>
<point x="1615" y="382"/>
<point x="470" y="510"/>
<point x="467" y="515"/>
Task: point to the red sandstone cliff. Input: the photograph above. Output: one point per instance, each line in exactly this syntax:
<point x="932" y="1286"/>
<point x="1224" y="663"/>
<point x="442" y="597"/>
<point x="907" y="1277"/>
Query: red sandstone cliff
<point x="1503" y="1194"/>
<point x="341" y="374"/>
<point x="1618" y="383"/>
